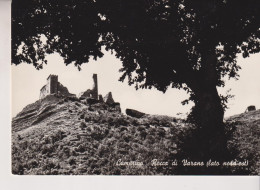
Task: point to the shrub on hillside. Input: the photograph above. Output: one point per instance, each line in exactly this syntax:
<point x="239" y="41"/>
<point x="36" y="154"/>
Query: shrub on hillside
<point x="82" y="125"/>
<point x="17" y="168"/>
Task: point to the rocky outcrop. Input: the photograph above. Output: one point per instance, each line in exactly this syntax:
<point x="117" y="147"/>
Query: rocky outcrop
<point x="134" y="113"/>
<point x="250" y="108"/>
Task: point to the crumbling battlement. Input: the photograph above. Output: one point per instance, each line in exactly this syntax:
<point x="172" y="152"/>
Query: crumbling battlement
<point x="109" y="99"/>
<point x="93" y="93"/>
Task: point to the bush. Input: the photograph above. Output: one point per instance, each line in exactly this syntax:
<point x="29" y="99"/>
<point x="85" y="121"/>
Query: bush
<point x="83" y="125"/>
<point x="102" y="150"/>
<point x="81" y="148"/>
<point x="88" y="118"/>
<point x="81" y="116"/>
<point x="49" y="165"/>
<point x="121" y="121"/>
<point x="18" y="169"/>
<point x="72" y="161"/>
<point x="77" y="104"/>
<point x="47" y="149"/>
<point x="90" y="108"/>
<point x="66" y="151"/>
<point x="32" y="163"/>
<point x="98" y="133"/>
<point x="143" y="134"/>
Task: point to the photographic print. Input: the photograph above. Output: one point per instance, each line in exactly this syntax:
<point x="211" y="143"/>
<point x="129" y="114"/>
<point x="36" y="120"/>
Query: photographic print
<point x="135" y="87"/>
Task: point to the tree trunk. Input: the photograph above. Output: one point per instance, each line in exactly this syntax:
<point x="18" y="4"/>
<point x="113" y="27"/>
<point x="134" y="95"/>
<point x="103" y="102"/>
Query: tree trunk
<point x="208" y="114"/>
<point x="206" y="141"/>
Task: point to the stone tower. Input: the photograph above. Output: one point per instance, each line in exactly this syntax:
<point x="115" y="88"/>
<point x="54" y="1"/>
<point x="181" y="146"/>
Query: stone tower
<point x="52" y="83"/>
<point x="95" y="87"/>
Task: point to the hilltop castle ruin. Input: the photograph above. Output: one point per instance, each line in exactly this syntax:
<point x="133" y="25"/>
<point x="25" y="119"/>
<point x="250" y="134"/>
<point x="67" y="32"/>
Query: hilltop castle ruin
<point x="53" y="86"/>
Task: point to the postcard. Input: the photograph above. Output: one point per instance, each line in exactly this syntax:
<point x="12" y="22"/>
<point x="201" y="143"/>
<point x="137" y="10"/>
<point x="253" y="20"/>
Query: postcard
<point x="140" y="87"/>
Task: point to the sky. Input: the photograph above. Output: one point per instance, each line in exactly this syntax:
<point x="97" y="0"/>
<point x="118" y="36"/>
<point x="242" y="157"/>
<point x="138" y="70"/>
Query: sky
<point x="27" y="82"/>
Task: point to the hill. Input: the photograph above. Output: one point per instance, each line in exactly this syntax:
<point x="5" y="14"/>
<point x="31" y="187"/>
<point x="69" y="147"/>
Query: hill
<point x="244" y="141"/>
<point x="65" y="135"/>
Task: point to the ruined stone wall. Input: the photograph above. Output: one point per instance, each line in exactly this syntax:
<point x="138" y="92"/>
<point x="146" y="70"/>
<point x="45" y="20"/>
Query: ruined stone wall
<point x="53" y="83"/>
<point x="109" y="98"/>
<point x="95" y="87"/>
<point x="62" y="90"/>
<point x="85" y="94"/>
<point x="51" y="87"/>
<point x="44" y="91"/>
<point x="91" y="93"/>
<point x="54" y="87"/>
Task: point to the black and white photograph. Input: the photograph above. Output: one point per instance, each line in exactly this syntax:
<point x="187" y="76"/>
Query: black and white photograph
<point x="135" y="87"/>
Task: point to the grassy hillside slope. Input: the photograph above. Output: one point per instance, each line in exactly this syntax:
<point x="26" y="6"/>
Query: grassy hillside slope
<point x="58" y="135"/>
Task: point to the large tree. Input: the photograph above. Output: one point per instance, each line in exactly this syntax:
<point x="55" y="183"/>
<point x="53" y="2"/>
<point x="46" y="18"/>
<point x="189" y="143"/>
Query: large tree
<point x="188" y="44"/>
